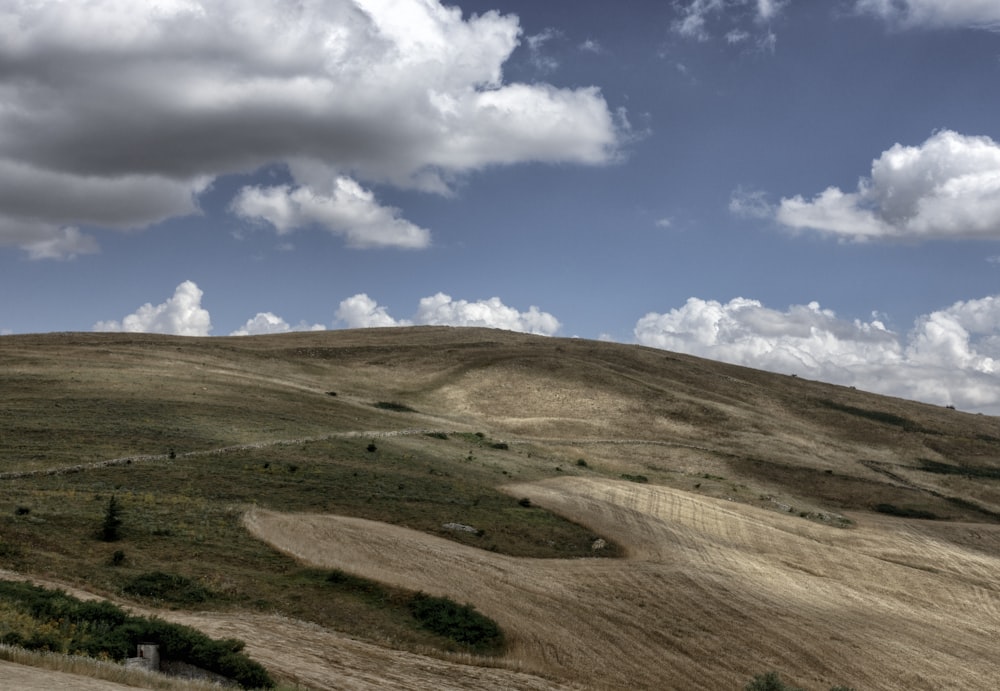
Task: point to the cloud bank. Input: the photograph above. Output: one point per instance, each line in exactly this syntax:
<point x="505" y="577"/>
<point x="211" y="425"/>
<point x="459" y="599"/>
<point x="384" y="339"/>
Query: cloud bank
<point x="361" y="311"/>
<point x="948" y="187"/>
<point x="118" y="115"/>
<point x="950" y="357"/>
<point x="183" y="315"/>
<point x="935" y="14"/>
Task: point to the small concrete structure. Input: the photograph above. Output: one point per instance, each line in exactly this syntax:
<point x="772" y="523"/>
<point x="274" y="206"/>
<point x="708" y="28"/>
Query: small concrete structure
<point x="148" y="657"/>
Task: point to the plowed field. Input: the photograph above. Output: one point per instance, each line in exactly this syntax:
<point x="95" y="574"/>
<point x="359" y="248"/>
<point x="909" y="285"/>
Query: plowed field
<point x="711" y="593"/>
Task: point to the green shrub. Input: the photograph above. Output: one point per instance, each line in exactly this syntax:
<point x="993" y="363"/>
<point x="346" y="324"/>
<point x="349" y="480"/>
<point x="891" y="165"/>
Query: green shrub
<point x="635" y="478"/>
<point x="461" y="623"/>
<point x="395" y="407"/>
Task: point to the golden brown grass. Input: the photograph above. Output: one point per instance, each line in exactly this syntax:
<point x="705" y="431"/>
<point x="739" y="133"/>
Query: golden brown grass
<point x="42" y="671"/>
<point x="751" y="545"/>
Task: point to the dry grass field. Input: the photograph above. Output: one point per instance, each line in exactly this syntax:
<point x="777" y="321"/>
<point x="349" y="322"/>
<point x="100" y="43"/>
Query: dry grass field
<point x="753" y="521"/>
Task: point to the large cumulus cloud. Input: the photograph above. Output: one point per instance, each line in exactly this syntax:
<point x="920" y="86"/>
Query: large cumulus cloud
<point x="950" y="356"/>
<point x="947" y="187"/>
<point x="119" y="114"/>
<point x="181" y="315"/>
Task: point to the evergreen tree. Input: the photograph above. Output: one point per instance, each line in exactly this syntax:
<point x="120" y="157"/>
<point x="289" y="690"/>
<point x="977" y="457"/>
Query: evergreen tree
<point x="111" y="527"/>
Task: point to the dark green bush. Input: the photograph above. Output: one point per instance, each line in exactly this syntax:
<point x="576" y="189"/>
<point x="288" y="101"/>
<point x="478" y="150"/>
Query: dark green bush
<point x="461" y="623"/>
<point x="395" y="407"/>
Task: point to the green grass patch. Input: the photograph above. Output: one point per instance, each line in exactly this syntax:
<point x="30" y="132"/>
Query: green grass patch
<point x="167" y="588"/>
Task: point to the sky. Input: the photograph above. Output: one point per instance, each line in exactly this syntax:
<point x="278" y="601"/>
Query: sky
<point x="810" y="188"/>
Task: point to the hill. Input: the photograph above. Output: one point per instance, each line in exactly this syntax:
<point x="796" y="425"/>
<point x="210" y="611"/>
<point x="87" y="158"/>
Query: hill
<point x="632" y="518"/>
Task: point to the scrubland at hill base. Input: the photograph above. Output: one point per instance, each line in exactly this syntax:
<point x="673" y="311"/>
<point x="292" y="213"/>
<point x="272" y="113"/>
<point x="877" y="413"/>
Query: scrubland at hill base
<point x="636" y="518"/>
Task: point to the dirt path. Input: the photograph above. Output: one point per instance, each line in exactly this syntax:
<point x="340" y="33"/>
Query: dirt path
<point x="24" y="678"/>
<point x="712" y="592"/>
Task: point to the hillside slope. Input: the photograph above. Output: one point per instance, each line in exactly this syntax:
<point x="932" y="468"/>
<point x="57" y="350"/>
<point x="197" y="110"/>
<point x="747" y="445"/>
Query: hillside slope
<point x="765" y="521"/>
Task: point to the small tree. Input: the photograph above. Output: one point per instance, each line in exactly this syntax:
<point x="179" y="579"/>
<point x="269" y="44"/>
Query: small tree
<point x="111" y="527"/>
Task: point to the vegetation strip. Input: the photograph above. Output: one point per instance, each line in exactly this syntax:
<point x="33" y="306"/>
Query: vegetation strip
<point x="51" y="620"/>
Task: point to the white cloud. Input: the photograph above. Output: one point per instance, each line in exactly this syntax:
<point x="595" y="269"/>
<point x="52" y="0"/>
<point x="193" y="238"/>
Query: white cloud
<point x="181" y="315"/>
<point x="950" y="357"/>
<point x="441" y="309"/>
<point x="349" y="210"/>
<point x="119" y="114"/>
<point x="977" y="14"/>
<point x="360" y="311"/>
<point x="739" y="15"/>
<point x="948" y="187"/>
<point x="270" y="323"/>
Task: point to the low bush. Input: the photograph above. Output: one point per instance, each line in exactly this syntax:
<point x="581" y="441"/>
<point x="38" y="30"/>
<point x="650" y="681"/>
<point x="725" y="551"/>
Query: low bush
<point x="769" y="682"/>
<point x="461" y="623"/>
<point x="395" y="407"/>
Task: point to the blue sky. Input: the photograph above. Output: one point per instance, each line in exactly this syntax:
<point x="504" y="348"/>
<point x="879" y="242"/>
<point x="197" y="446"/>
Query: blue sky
<point x="805" y="187"/>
